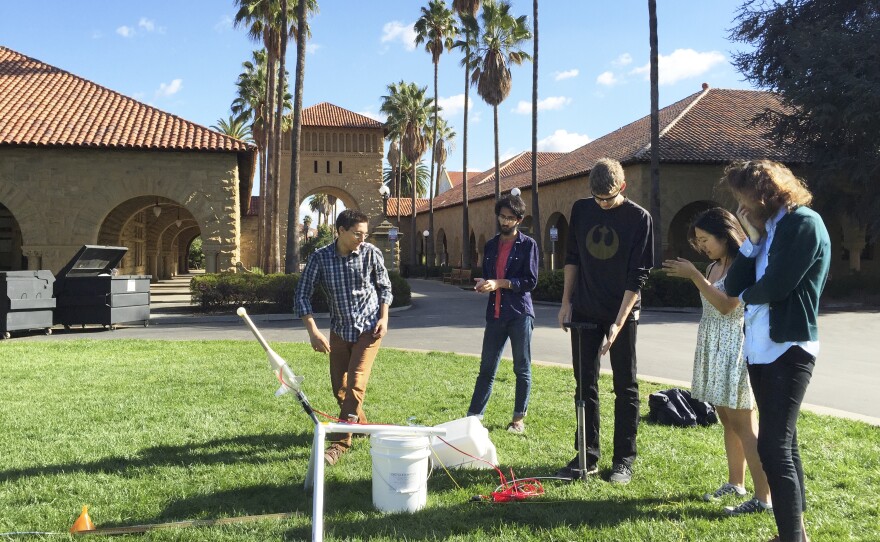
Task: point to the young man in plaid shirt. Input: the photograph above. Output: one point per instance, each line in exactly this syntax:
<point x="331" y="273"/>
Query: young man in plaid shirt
<point x="353" y="273"/>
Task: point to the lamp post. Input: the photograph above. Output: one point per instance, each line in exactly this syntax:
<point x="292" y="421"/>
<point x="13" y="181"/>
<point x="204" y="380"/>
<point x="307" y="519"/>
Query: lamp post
<point x="384" y="191"/>
<point x="425" y="234"/>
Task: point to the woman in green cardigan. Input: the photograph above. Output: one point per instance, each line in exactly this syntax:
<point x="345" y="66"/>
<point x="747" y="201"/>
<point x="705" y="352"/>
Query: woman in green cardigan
<point x="779" y="274"/>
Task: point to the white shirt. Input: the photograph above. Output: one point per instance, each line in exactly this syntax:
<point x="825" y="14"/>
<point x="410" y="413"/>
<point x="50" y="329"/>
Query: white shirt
<point x="758" y="347"/>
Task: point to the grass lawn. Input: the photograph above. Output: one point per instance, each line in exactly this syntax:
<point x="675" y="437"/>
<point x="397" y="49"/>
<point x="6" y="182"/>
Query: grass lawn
<point x="153" y="431"/>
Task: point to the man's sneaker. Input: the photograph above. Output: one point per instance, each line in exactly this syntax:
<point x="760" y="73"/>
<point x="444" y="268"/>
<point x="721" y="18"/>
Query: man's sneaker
<point x="725" y="490"/>
<point x="517" y="427"/>
<point x="621" y="473"/>
<point x="571" y="471"/>
<point x="333" y="453"/>
<point x="751" y="506"/>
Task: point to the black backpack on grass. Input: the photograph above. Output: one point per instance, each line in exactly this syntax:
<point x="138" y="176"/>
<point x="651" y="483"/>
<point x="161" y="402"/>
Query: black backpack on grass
<point x="676" y="407"/>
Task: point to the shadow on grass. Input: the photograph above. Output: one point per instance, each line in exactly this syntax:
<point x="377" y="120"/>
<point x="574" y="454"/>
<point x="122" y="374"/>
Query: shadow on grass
<point x="242" y="449"/>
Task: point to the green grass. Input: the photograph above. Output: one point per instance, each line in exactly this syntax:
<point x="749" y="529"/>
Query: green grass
<point x="152" y="431"/>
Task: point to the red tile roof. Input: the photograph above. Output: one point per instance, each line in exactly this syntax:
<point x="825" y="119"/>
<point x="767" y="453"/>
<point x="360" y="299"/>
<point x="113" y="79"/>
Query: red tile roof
<point x="455" y="177"/>
<point x="406" y="206"/>
<point x="327" y="115"/>
<point x="41" y="105"/>
<point x="710" y="126"/>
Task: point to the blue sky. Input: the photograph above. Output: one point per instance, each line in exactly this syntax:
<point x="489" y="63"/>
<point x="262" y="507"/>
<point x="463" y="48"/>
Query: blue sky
<point x="183" y="56"/>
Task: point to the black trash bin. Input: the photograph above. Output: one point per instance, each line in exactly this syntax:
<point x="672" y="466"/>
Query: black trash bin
<point x="88" y="292"/>
<point x="26" y="301"/>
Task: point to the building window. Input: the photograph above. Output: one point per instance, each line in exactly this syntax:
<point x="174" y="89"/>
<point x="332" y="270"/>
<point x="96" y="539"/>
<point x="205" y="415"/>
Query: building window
<point x="328" y="166"/>
<point x="316" y="166"/>
<point x="340" y="167"/>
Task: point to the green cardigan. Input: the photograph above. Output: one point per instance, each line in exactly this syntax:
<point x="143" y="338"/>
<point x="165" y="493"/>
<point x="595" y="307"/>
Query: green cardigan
<point x="797" y="268"/>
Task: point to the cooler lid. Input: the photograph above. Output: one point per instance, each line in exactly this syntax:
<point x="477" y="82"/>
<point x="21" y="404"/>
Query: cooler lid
<point x="93" y="260"/>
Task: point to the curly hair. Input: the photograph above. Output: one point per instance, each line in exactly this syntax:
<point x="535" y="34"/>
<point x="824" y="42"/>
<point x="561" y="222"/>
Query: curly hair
<point x="721" y="224"/>
<point x="770" y="183"/>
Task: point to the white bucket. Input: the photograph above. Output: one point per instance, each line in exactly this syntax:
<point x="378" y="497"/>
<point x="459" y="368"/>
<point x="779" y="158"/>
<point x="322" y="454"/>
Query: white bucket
<point x="469" y="436"/>
<point x="400" y="472"/>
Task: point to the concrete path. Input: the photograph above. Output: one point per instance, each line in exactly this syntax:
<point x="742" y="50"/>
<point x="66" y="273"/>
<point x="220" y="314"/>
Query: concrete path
<point x="449" y="318"/>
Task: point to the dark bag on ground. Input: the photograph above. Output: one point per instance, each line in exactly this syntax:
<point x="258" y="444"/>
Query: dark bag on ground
<point x="677" y="407"/>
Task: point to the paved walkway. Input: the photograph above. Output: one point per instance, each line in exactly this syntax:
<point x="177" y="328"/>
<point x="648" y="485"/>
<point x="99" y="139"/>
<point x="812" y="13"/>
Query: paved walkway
<point x="448" y="318"/>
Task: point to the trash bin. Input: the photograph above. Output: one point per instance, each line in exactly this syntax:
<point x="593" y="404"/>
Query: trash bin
<point x="87" y="290"/>
<point x="26" y="301"/>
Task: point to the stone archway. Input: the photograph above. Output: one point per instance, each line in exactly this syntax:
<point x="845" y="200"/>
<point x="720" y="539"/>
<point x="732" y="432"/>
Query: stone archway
<point x="555" y="250"/>
<point x="677" y="235"/>
<point x="441" y="248"/>
<point x="11" y="256"/>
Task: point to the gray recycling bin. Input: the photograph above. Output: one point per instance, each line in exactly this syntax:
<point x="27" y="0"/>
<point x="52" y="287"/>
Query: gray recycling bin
<point x="88" y="292"/>
<point x="26" y="301"/>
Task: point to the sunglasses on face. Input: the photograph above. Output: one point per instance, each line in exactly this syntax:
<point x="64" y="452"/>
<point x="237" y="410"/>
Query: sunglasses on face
<point x="606" y="199"/>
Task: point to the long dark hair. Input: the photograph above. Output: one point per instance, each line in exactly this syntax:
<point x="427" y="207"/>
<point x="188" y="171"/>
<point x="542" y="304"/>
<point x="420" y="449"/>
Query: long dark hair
<point x="722" y="224"/>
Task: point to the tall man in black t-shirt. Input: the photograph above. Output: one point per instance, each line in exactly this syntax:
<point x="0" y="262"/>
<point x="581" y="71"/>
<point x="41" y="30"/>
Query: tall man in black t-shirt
<point x="609" y="254"/>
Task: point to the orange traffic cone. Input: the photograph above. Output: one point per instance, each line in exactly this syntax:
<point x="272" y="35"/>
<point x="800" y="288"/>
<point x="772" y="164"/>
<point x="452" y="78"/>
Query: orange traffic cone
<point x="83" y="522"/>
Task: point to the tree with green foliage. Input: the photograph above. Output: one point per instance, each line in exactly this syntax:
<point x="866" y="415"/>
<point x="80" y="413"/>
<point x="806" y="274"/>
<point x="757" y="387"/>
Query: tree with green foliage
<point x="822" y="57"/>
<point x="323" y="238"/>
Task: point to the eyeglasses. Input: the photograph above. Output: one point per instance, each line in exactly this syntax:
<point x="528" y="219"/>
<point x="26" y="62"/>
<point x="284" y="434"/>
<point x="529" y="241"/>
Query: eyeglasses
<point x="506" y="218"/>
<point x="361" y="235"/>
<point x="606" y="199"/>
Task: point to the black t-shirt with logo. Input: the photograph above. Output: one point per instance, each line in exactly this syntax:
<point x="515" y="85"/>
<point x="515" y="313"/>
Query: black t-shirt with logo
<point x="614" y="251"/>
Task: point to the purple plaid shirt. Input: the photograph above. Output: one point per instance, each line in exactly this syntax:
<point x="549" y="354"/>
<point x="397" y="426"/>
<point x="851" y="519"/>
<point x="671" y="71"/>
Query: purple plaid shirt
<point x="356" y="285"/>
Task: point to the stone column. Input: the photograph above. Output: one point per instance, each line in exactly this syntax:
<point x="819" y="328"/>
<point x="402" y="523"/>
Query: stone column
<point x="35" y="258"/>
<point x="390" y="249"/>
<point x="853" y="240"/>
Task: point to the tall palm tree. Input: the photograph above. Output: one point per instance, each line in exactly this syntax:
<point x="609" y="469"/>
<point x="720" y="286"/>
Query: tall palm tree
<point x="389" y="176"/>
<point x="319" y="205"/>
<point x="467" y="12"/>
<point x="498" y="46"/>
<point x="234" y="126"/>
<point x="395" y="132"/>
<point x="307" y="224"/>
<point x="408" y="110"/>
<point x="536" y="208"/>
<point x="436" y="28"/>
<point x="394" y="160"/>
<point x="303" y="9"/>
<point x="655" y="135"/>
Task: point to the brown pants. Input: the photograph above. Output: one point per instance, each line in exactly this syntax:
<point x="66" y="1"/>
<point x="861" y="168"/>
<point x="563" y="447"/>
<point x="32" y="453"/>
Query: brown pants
<point x="350" y="366"/>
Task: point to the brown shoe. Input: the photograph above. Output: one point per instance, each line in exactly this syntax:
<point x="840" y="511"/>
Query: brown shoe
<point x="333" y="453"/>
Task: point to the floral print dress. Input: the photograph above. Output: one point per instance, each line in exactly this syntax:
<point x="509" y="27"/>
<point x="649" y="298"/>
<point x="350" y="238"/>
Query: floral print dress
<point x="720" y="374"/>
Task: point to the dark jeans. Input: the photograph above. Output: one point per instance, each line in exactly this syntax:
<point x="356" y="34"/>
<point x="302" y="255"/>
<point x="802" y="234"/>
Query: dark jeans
<point x="519" y="331"/>
<point x="779" y="389"/>
<point x="585" y="346"/>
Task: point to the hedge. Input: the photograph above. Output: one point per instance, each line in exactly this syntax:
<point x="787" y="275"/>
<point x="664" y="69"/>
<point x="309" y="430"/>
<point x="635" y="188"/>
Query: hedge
<point x="274" y="293"/>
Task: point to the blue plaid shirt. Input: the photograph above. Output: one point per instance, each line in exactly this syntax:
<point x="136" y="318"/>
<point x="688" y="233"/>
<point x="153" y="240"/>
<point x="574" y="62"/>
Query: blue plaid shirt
<point x="356" y="284"/>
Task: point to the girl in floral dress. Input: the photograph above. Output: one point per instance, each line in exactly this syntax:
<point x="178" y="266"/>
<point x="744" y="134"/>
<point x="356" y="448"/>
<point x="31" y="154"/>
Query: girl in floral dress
<point x="720" y="374"/>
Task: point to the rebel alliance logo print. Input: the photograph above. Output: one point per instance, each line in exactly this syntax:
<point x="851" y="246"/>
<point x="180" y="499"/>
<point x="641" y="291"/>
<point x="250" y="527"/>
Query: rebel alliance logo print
<point x="602" y="242"/>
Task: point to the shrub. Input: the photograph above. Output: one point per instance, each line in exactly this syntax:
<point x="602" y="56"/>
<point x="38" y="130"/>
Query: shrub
<point x="267" y="293"/>
<point x="549" y="287"/>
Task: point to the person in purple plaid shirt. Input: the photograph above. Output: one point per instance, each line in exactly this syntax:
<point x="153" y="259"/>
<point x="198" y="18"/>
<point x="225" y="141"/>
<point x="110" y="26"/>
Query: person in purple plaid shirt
<point x="353" y="273"/>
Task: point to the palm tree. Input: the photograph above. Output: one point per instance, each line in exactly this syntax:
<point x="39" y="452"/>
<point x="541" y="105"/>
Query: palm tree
<point x="467" y="12"/>
<point x="536" y="208"/>
<point x="392" y="124"/>
<point x="331" y="203"/>
<point x="307" y="224"/>
<point x="234" y="126"/>
<point x="320" y="206"/>
<point x="497" y="46"/>
<point x="443" y="145"/>
<point x="394" y="159"/>
<point x="389" y="176"/>
<point x="655" y="134"/>
<point x="291" y="254"/>
<point x="436" y="28"/>
<point x="408" y="110"/>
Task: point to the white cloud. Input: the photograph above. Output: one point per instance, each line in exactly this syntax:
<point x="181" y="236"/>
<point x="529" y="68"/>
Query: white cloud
<point x="125" y="31"/>
<point x="563" y="141"/>
<point x="402" y="32"/>
<point x="547" y="104"/>
<point x="567" y="74"/>
<point x="224" y="24"/>
<point x="607" y="79"/>
<point x="682" y="64"/>
<point x="623" y="60"/>
<point x="169" y="89"/>
<point x="147" y="24"/>
<point x="453" y="105"/>
<point x="96" y="35"/>
<point x="374" y="116"/>
<point x="312" y="48"/>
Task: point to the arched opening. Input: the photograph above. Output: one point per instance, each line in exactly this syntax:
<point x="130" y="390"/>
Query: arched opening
<point x="555" y="249"/>
<point x="441" y="247"/>
<point x="151" y="229"/>
<point x="677" y="241"/>
<point x="11" y="256"/>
